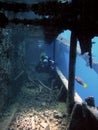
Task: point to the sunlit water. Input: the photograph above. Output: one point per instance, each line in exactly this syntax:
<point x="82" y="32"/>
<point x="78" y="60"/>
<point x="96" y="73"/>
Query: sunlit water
<point x="87" y="74"/>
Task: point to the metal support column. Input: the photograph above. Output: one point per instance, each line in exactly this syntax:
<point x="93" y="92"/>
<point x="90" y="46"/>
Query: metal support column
<point x="72" y="61"/>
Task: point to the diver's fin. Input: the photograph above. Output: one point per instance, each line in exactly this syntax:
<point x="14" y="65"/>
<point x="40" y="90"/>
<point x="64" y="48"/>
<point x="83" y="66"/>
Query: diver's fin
<point x="84" y="85"/>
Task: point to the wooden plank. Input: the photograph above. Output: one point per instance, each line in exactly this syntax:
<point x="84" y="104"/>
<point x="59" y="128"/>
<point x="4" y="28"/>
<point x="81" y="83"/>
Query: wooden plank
<point x="44" y="85"/>
<point x="62" y="77"/>
<point x="65" y="82"/>
<point x="18" y="75"/>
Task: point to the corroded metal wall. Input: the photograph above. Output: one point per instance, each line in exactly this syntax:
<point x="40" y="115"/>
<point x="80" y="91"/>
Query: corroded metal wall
<point x="11" y="54"/>
<point x="5" y="65"/>
<point x="20" y="49"/>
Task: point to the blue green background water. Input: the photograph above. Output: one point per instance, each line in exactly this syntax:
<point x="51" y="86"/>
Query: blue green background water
<point x="87" y="74"/>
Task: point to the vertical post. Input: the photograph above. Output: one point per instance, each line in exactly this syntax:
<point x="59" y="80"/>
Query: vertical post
<point x="90" y="52"/>
<point x="72" y="61"/>
<point x="54" y="45"/>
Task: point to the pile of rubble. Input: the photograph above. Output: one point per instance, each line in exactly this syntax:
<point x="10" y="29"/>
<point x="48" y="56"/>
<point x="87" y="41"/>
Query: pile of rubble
<point x="39" y="109"/>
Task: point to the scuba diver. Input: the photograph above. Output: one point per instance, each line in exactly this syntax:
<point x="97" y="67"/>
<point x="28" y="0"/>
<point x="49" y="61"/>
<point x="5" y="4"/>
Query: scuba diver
<point x="42" y="65"/>
<point x="45" y="64"/>
<point x="80" y="81"/>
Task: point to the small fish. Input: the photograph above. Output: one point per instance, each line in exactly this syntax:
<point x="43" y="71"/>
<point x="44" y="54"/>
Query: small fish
<point x="80" y="81"/>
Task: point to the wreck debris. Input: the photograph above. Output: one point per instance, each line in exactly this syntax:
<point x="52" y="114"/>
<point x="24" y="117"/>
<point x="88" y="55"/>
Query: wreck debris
<point x="83" y="117"/>
<point x="43" y="85"/>
<point x="90" y="101"/>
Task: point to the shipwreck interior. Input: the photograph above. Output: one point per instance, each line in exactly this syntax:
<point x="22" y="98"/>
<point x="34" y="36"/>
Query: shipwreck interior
<point x="30" y="99"/>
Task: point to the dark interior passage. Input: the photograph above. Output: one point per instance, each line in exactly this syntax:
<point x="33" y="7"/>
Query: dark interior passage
<point x="18" y="48"/>
<point x="25" y="93"/>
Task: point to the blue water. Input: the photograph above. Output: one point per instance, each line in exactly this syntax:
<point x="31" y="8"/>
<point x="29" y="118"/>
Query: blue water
<point x="88" y="75"/>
